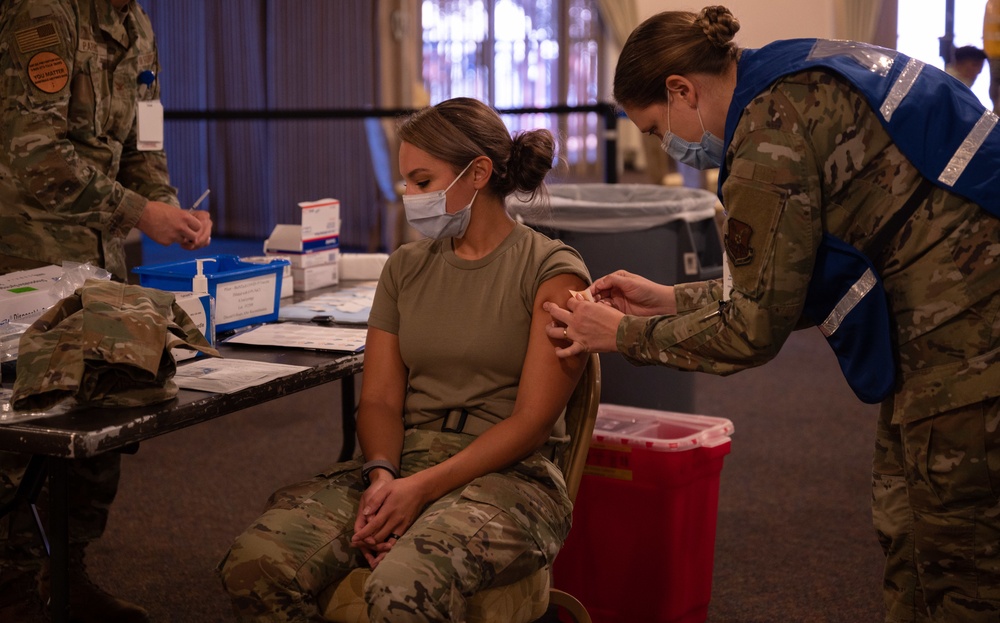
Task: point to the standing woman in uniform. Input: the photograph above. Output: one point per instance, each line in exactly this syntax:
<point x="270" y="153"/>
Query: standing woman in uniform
<point x="860" y="192"/>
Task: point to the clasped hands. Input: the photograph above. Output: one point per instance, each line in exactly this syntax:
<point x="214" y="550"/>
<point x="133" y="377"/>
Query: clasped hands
<point x="387" y="509"/>
<point x="592" y="326"/>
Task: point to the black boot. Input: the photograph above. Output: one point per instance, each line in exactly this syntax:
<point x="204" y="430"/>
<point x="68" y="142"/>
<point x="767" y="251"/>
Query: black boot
<point x="19" y="599"/>
<point x="89" y="603"/>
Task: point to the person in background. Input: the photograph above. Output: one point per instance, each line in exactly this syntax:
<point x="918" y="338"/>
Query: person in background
<point x="81" y="164"/>
<point x="967" y="64"/>
<point x="991" y="47"/>
<point x="461" y="401"/>
<point x="851" y="208"/>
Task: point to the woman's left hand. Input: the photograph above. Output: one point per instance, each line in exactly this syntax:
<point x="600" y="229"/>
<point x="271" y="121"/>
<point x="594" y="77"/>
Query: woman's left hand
<point x="387" y="509"/>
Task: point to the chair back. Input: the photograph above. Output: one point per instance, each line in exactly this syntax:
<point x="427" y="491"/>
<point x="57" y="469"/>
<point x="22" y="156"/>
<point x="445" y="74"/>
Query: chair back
<point x="581" y="414"/>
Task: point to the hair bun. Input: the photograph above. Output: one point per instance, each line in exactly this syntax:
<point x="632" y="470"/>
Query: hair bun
<point x="719" y="25"/>
<point x="531" y="156"/>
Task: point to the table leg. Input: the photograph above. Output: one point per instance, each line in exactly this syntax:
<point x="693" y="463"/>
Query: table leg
<point x="59" y="540"/>
<point x="348" y="423"/>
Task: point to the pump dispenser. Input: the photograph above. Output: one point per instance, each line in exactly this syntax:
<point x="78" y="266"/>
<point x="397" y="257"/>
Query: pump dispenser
<point x="199" y="285"/>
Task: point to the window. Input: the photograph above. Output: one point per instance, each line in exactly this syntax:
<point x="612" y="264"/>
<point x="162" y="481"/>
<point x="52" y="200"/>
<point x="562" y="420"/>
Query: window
<point x="921" y="24"/>
<point x="520" y="54"/>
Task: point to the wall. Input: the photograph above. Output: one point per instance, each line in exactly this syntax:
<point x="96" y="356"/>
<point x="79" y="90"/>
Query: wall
<point x="762" y="21"/>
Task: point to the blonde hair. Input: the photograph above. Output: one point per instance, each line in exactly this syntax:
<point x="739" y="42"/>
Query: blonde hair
<point x="673" y="42"/>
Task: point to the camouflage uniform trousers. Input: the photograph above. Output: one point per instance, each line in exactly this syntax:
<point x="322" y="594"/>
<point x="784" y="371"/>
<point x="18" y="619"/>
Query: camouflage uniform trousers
<point x="92" y="486"/>
<point x="495" y="530"/>
<point x="936" y="507"/>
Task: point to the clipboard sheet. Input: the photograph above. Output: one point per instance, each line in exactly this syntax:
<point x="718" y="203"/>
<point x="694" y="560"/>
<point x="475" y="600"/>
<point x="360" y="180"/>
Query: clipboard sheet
<point x="301" y="335"/>
<point x="228" y="375"/>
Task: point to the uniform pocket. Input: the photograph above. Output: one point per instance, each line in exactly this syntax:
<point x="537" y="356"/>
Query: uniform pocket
<point x="954" y="457"/>
<point x="534" y="496"/>
<point x="750" y="233"/>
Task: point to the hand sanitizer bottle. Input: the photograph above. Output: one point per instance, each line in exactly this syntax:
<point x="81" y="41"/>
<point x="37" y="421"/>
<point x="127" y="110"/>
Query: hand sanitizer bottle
<point x="199" y="285"/>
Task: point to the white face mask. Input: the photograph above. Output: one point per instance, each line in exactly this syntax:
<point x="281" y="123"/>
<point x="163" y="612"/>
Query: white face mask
<point x="706" y="154"/>
<point x="428" y="212"/>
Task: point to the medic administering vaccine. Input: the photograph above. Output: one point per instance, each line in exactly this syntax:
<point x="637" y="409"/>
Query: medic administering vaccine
<point x="861" y="197"/>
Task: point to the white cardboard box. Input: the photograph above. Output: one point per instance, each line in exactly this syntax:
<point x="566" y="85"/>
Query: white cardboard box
<point x="320" y="219"/>
<point x="312" y="258"/>
<point x="289" y="239"/>
<point x="27" y="294"/>
<point x="362" y="266"/>
<point x="315" y="277"/>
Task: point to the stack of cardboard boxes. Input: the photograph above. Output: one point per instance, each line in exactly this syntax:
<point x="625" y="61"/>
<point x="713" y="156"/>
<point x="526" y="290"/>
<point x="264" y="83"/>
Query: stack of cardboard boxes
<point x="312" y="247"/>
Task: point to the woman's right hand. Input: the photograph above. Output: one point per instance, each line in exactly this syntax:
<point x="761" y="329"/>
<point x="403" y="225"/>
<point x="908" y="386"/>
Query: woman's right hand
<point x="634" y="295"/>
<point x="387" y="509"/>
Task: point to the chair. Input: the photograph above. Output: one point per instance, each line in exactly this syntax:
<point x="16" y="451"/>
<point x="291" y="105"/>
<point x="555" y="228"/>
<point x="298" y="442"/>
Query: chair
<point x="528" y="599"/>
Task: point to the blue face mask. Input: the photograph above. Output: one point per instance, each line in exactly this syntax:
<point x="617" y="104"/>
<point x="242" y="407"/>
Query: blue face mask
<point x="706" y="154"/>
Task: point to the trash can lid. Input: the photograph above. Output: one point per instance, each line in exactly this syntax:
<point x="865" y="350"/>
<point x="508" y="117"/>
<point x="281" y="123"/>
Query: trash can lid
<point x="610" y="208"/>
<point x="659" y="431"/>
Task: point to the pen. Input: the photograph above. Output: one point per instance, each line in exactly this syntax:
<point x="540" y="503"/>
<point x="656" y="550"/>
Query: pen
<point x="200" y="199"/>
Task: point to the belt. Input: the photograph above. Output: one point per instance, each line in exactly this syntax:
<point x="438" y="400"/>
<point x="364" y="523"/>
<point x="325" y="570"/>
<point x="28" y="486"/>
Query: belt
<point x="458" y="421"/>
<point x="461" y="421"/>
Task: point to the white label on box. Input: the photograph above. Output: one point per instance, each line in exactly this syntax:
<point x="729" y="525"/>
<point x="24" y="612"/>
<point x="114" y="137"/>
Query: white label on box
<point x="320" y="219"/>
<point x="246" y="298"/>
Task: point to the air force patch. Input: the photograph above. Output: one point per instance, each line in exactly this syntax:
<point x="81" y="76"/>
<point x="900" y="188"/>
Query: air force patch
<point x="738" y="242"/>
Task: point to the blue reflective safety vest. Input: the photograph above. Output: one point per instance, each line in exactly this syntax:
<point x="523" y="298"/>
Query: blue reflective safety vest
<point x="937" y="123"/>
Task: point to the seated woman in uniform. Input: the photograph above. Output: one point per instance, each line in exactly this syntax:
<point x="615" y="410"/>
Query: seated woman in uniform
<point x="460" y="403"/>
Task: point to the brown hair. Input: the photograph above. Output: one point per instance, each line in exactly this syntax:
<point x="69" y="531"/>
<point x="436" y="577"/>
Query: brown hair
<point x="461" y="129"/>
<point x="673" y="42"/>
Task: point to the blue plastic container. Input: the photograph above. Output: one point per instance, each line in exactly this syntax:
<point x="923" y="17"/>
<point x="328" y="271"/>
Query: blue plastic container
<point x="244" y="293"/>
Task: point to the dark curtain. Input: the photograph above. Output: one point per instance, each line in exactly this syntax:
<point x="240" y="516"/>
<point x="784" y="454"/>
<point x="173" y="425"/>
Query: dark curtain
<point x="261" y="55"/>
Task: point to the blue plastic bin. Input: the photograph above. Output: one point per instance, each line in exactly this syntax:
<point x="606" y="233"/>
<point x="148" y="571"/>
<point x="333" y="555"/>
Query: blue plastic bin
<point x="245" y="293"/>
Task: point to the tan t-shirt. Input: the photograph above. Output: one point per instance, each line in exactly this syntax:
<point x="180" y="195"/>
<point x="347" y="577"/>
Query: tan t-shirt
<point x="463" y="324"/>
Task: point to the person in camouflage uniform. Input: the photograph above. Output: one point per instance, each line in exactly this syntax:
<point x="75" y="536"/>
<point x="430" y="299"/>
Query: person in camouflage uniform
<point x="806" y="156"/>
<point x="73" y="183"/>
<point x="462" y="392"/>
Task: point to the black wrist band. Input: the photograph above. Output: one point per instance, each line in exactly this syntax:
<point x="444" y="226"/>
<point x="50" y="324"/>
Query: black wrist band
<point x="377" y="464"/>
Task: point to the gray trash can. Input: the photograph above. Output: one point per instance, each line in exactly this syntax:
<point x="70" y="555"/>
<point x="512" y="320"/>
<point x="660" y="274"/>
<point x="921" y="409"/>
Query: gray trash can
<point x="666" y="234"/>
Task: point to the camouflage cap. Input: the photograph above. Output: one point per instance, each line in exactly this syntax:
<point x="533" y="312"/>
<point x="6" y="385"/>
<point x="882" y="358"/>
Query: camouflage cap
<point x="108" y="345"/>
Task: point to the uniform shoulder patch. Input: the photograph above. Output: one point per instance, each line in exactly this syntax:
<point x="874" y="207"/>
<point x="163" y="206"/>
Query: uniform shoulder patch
<point x="738" y="242"/>
<point x="48" y="72"/>
<point x="36" y="37"/>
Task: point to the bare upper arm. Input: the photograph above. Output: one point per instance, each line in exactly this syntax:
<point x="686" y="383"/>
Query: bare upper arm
<point x="546" y="380"/>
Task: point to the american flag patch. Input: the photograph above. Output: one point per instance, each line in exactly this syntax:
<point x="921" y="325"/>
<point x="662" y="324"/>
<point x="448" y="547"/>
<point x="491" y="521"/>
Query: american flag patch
<point x="36" y="37"/>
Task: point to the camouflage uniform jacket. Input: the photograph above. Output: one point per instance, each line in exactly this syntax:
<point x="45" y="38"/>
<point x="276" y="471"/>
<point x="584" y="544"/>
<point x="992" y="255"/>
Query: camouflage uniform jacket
<point x="810" y="155"/>
<point x="108" y="345"/>
<point x="72" y="183"/>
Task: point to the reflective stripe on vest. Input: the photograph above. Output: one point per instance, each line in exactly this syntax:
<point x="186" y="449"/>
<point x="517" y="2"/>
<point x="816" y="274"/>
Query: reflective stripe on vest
<point x="861" y="287"/>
